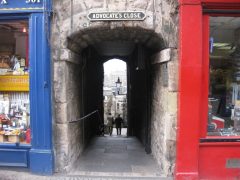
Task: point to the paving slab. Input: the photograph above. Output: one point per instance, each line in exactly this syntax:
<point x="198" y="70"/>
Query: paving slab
<point x="122" y="156"/>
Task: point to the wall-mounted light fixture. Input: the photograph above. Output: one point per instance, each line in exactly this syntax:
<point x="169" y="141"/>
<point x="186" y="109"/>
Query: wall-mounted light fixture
<point x="24" y="30"/>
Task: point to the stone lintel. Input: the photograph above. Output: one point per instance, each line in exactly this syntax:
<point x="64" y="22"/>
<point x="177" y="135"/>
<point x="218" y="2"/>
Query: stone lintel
<point x="163" y="56"/>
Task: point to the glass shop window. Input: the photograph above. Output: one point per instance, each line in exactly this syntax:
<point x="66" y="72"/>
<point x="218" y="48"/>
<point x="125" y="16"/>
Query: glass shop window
<point x="14" y="83"/>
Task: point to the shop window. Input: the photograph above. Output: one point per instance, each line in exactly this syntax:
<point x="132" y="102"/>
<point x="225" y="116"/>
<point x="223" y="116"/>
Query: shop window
<point x="224" y="77"/>
<point x="14" y="83"/>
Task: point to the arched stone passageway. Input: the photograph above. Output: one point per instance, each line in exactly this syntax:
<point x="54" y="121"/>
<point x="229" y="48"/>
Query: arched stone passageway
<point x="78" y="53"/>
<point x="119" y="41"/>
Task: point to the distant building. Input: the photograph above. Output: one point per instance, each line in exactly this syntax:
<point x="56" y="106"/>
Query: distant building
<point x="115" y="98"/>
<point x="110" y="79"/>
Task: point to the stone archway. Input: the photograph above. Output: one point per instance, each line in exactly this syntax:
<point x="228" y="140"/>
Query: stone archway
<point x="74" y="38"/>
<point x="101" y="37"/>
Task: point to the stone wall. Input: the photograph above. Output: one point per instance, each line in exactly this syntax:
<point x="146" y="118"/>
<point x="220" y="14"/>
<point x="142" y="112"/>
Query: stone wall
<point x="70" y="16"/>
<point x="165" y="87"/>
<point x="166" y="21"/>
<point x="73" y="100"/>
<point x="68" y="142"/>
<point x="67" y="108"/>
<point x="164" y="111"/>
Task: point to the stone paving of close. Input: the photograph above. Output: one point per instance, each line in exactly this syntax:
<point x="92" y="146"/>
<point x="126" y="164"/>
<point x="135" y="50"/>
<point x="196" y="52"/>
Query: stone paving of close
<point x="117" y="156"/>
<point x="106" y="158"/>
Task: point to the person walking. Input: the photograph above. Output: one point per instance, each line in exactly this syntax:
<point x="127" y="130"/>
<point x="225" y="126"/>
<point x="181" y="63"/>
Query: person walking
<point x="118" y="122"/>
<point x="110" y="123"/>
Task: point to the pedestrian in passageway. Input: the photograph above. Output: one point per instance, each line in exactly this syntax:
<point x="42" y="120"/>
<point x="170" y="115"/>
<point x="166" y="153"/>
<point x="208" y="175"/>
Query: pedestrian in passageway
<point x="110" y="123"/>
<point x="118" y="122"/>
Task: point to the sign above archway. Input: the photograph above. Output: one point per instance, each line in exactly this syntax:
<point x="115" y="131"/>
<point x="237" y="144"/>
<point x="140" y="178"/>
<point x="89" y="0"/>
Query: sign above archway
<point x="117" y="16"/>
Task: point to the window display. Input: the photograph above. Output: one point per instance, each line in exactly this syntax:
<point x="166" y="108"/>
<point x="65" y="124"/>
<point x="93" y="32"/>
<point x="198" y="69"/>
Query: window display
<point x="224" y="77"/>
<point x="14" y="83"/>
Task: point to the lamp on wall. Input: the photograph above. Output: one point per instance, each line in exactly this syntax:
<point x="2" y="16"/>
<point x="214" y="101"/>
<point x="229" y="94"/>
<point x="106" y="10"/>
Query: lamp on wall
<point x="118" y="85"/>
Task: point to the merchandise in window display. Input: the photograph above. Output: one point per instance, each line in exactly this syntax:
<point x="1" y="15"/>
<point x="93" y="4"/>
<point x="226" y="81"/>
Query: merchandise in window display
<point x="13" y="65"/>
<point x="224" y="78"/>
<point x="236" y="116"/>
<point x="14" y="125"/>
<point x="14" y="86"/>
<point x="14" y="106"/>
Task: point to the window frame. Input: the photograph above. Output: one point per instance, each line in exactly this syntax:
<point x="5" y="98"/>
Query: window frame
<point x="206" y="31"/>
<point x="14" y="17"/>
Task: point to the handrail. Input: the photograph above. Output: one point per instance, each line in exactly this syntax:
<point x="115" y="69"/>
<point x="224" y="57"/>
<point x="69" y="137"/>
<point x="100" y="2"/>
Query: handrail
<point x="84" y="117"/>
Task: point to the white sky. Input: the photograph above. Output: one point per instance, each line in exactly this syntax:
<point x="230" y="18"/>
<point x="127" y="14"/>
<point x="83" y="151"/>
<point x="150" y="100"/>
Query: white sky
<point x="114" y="65"/>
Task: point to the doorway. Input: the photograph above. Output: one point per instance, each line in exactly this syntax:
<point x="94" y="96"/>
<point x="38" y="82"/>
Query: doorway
<point x="115" y="94"/>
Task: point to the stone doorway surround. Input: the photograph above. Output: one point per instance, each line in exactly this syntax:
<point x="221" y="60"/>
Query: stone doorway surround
<point x="72" y="32"/>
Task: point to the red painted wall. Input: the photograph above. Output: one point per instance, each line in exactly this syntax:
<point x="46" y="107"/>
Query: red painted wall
<point x="213" y="159"/>
<point x="190" y="83"/>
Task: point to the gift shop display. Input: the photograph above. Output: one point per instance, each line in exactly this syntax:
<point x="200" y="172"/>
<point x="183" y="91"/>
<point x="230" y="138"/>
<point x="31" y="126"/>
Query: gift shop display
<point x="224" y="77"/>
<point x="14" y="83"/>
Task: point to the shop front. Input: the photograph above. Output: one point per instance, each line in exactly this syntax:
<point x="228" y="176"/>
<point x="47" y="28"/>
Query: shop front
<point x="25" y="101"/>
<point x="209" y="102"/>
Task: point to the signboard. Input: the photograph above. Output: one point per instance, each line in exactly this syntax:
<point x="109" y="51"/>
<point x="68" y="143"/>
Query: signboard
<point x="14" y="83"/>
<point x="233" y="163"/>
<point x="20" y="4"/>
<point x="116" y="16"/>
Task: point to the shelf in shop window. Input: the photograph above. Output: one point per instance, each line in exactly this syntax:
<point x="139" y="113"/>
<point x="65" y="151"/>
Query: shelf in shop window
<point x="220" y="139"/>
<point x="18" y="83"/>
<point x="20" y="145"/>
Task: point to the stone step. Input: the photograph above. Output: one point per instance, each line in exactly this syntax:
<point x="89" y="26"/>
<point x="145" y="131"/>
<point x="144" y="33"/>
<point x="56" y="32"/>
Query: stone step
<point x="115" y="175"/>
<point x="108" y="178"/>
<point x="18" y="175"/>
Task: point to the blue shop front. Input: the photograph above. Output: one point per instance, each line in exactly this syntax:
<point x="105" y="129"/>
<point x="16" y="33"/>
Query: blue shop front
<point x="25" y="85"/>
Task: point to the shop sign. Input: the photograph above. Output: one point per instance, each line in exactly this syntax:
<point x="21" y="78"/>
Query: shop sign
<point x="14" y="83"/>
<point x="20" y="4"/>
<point x="117" y="16"/>
<point x="233" y="163"/>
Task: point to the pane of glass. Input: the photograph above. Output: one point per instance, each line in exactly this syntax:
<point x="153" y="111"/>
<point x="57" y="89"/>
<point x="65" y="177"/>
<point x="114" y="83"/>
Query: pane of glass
<point x="224" y="77"/>
<point x="14" y="82"/>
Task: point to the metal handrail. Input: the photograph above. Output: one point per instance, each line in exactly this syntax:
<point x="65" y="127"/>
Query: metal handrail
<point x="84" y="117"/>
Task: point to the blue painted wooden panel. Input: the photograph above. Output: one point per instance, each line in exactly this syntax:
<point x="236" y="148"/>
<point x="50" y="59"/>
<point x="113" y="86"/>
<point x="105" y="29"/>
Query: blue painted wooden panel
<point x="41" y="154"/>
<point x="41" y="161"/>
<point x="21" y="4"/>
<point x="15" y="146"/>
<point x="14" y="157"/>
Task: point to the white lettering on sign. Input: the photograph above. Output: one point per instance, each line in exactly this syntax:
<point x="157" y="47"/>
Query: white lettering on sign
<point x="33" y="1"/>
<point x="4" y="2"/>
<point x="119" y="16"/>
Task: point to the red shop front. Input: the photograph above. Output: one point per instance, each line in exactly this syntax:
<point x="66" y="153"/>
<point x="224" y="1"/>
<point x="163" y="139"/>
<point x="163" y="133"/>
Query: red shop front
<point x="208" y="140"/>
